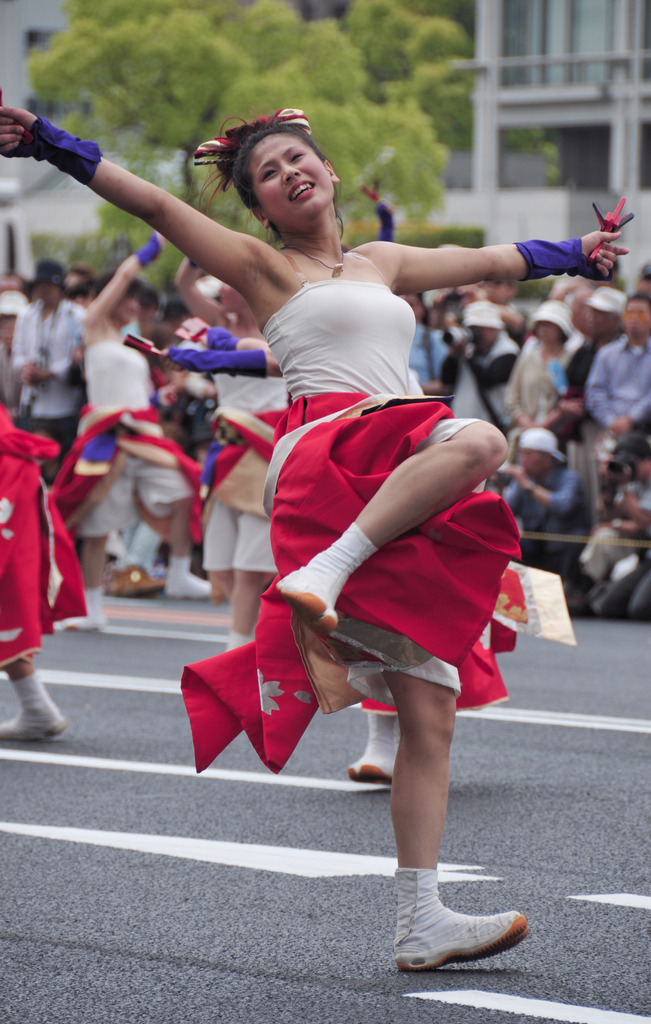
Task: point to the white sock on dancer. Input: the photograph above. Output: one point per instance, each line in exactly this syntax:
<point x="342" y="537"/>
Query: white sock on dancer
<point x="39" y="716"/>
<point x="324" y="576"/>
<point x="236" y="639"/>
<point x="94" y="597"/>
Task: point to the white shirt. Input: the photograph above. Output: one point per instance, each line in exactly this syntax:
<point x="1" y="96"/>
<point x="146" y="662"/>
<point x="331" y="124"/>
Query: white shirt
<point x="49" y="342"/>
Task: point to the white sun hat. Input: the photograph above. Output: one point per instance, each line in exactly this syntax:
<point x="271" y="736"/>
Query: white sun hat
<point x="482" y="314"/>
<point x="608" y="300"/>
<point x="538" y="439"/>
<point x="12" y="303"/>
<point x="209" y="286"/>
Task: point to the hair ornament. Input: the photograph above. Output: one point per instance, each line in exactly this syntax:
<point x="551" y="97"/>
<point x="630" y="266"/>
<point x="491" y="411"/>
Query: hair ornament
<point x="212" y="151"/>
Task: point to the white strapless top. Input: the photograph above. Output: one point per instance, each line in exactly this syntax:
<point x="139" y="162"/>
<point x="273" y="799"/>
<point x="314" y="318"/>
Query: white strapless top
<point x="339" y="335"/>
<point x="251" y="394"/>
<point x="117" y="376"/>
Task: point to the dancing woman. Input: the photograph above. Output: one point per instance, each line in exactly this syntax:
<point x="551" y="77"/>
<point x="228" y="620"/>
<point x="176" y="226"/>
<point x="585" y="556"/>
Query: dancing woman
<point x="376" y="522"/>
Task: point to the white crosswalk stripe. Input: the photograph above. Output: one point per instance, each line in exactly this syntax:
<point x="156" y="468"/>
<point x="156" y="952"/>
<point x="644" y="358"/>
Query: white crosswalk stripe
<point x="543" y="1009"/>
<point x="286" y="860"/>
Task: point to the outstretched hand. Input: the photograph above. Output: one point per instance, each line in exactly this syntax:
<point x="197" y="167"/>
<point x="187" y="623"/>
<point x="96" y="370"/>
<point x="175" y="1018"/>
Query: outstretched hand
<point x="14" y="122"/>
<point x="606" y="258"/>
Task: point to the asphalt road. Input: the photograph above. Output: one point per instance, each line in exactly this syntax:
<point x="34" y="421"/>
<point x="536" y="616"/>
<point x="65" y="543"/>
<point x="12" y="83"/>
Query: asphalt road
<point x="134" y="891"/>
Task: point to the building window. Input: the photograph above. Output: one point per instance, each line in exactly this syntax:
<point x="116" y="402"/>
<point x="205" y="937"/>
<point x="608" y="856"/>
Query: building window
<point x="556" y="28"/>
<point x="37" y="39"/>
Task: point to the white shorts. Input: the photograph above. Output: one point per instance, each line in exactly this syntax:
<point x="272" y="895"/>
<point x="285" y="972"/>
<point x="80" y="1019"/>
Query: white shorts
<point x="368" y="677"/>
<point x="156" y="486"/>
<point x="236" y="540"/>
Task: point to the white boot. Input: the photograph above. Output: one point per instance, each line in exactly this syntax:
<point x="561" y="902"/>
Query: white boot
<point x="376" y="763"/>
<point x="39" y="716"/>
<point x="94" y="619"/>
<point x="429" y="935"/>
<point x="181" y="583"/>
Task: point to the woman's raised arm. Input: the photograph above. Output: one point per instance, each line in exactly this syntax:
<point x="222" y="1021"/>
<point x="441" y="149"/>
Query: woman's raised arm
<point x="229" y="255"/>
<point x="411" y="269"/>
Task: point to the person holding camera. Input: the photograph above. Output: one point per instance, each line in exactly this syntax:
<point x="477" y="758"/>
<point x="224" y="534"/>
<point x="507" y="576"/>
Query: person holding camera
<point x="47" y="337"/>
<point x="479" y="365"/>
<point x="628" y="594"/>
<point x="547" y="498"/>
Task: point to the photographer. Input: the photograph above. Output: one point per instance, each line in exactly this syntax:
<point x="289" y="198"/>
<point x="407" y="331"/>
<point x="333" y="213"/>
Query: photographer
<point x="547" y="498"/>
<point x="629" y="595"/>
<point x="479" y="365"/>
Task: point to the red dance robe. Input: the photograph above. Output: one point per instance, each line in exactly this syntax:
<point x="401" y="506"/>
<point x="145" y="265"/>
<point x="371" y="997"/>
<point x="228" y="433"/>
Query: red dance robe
<point x="40" y="577"/>
<point x="436" y="585"/>
<point x="138" y="433"/>
<point x="238" y="459"/>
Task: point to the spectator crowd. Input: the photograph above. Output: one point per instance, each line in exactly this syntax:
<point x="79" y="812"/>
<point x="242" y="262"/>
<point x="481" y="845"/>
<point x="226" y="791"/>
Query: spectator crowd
<point x="568" y="382"/>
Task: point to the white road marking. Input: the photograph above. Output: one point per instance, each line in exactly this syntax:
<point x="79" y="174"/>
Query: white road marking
<point x="499" y="714"/>
<point x="157" y="634"/>
<point x="284" y="860"/>
<point x="541" y="1008"/>
<point x="220" y="774"/>
<point x="618" y="899"/>
<point x="110" y="682"/>
<point x="561" y="718"/>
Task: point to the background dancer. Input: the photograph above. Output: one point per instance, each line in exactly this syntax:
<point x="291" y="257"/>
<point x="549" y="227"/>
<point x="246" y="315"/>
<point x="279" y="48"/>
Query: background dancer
<point x="390" y="493"/>
<point x="40" y="579"/>
<point x="118" y="431"/>
<point x="236" y="543"/>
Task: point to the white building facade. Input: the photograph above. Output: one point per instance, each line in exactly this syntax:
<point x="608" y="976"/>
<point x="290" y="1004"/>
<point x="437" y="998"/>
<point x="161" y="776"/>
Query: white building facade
<point x="35" y="198"/>
<point x="581" y="70"/>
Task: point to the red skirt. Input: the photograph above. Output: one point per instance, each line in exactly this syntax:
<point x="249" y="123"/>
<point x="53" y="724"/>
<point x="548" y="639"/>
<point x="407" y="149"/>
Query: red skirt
<point x="436" y="585"/>
<point x="40" y="577"/>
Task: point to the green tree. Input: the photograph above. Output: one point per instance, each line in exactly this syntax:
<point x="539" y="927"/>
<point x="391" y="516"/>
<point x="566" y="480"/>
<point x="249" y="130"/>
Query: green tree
<point x="408" y="47"/>
<point x="159" y="77"/>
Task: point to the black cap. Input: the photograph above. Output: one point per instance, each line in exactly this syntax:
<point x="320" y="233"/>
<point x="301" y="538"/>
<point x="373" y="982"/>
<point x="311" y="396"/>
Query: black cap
<point x="635" y="444"/>
<point x="48" y="270"/>
<point x="645" y="271"/>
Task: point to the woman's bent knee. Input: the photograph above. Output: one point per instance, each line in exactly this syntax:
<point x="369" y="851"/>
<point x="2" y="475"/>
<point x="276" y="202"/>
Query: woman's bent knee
<point x="485" y="447"/>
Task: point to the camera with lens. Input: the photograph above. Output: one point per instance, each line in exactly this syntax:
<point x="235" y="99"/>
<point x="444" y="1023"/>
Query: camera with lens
<point x="624" y="464"/>
<point x="455" y="336"/>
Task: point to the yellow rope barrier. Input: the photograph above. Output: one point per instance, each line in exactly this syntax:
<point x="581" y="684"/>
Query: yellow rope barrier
<point x="573" y="538"/>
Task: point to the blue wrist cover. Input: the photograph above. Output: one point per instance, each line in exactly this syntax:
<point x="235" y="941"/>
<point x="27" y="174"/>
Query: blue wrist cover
<point x="385" y="215"/>
<point x="71" y="155"/>
<point x="149" y="250"/>
<point x="221" y="340"/>
<point x="546" y="258"/>
<point x="251" y="362"/>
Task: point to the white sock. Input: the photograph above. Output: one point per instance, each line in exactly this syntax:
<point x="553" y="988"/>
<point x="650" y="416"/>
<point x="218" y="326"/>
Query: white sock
<point x="382" y="734"/>
<point x="34" y="699"/>
<point x="179" y="568"/>
<point x="337" y="562"/>
<point x="94" y="597"/>
<point x="236" y="639"/>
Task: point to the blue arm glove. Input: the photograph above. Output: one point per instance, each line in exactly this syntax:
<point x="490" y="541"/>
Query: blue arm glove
<point x="221" y="340"/>
<point x="251" y="362"/>
<point x="385" y="215"/>
<point x="71" y="155"/>
<point x="150" y="250"/>
<point x="545" y="258"/>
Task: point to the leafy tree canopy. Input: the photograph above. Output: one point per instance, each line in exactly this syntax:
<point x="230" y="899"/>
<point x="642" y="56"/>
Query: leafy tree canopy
<point x="407" y="47"/>
<point x="158" y="77"/>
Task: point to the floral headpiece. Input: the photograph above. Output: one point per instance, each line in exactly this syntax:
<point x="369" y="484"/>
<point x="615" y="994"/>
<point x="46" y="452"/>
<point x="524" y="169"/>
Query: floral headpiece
<point x="214" y="150"/>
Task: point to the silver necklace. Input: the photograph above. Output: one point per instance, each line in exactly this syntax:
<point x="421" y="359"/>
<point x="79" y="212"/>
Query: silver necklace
<point x="337" y="270"/>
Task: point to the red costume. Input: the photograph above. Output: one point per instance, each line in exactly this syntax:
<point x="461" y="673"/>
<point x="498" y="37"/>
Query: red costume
<point x="436" y="586"/>
<point x="40" y="577"/>
<point x="135" y="432"/>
